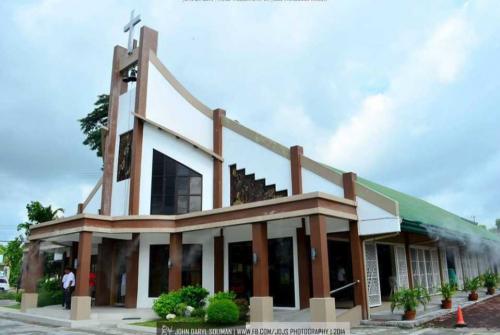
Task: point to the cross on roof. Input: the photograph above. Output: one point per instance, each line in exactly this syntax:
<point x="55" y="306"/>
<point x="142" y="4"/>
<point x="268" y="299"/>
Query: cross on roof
<point x="129" y="27"/>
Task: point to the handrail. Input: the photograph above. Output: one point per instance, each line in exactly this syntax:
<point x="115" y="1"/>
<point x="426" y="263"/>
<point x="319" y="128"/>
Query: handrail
<point x="344" y="287"/>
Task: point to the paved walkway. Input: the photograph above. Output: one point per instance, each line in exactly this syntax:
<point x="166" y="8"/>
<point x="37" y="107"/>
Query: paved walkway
<point x="485" y="314"/>
<point x="8" y="326"/>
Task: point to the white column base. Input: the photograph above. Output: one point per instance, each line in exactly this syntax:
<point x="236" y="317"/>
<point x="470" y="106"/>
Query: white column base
<point x="80" y="308"/>
<point x="28" y="300"/>
<point x="261" y="309"/>
<point x="322" y="310"/>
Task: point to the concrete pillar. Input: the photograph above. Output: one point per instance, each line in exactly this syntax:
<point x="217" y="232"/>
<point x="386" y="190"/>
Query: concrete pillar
<point x="409" y="268"/>
<point x="322" y="305"/>
<point x="219" y="263"/>
<point x="261" y="304"/>
<point x="304" y="260"/>
<point x="132" y="271"/>
<point x="357" y="254"/>
<point x="80" y="301"/>
<point x="175" y="259"/>
<point x="33" y="271"/>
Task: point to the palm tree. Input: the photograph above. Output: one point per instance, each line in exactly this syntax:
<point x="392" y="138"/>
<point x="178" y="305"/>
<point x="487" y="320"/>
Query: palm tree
<point x="37" y="213"/>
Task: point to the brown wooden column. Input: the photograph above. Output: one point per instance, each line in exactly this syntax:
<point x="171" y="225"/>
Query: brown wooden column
<point x="219" y="263"/>
<point x="104" y="272"/>
<point x="296" y="153"/>
<point x="175" y="258"/>
<point x="304" y="259"/>
<point x="148" y="43"/>
<point x="34" y="268"/>
<point x="110" y="139"/>
<point x="408" y="260"/>
<point x="261" y="266"/>
<point x="132" y="271"/>
<point x="83" y="271"/>
<point x="217" y="121"/>
<point x="319" y="256"/>
<point x="357" y="255"/>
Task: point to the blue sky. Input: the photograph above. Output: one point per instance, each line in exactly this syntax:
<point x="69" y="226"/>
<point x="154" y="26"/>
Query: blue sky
<point x="403" y="93"/>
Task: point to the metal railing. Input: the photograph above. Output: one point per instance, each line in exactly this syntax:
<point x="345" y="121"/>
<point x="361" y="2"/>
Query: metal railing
<point x="344" y="287"/>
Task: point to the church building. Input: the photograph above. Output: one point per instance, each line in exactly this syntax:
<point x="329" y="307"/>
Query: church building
<point x="189" y="196"/>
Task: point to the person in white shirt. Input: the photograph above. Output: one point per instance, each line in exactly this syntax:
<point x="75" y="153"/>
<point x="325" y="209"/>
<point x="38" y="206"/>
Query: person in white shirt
<point x="68" y="284"/>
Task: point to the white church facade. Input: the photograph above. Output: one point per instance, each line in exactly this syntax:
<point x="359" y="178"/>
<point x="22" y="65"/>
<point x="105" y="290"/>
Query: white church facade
<point x="189" y="196"/>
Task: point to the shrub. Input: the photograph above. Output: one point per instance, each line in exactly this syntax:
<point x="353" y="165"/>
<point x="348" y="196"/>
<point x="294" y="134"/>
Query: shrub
<point x="223" y="311"/>
<point x="180" y="309"/>
<point x="166" y="303"/>
<point x="49" y="292"/>
<point x="409" y="299"/>
<point x="471" y="285"/>
<point x="198" y="313"/>
<point x="193" y="295"/>
<point x="222" y="296"/>
<point x="243" y="307"/>
<point x="447" y="291"/>
<point x="9" y="295"/>
<point x="490" y="279"/>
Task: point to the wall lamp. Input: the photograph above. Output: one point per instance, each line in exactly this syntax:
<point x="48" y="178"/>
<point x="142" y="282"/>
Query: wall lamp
<point x="169" y="263"/>
<point x="255" y="258"/>
<point x="313" y="253"/>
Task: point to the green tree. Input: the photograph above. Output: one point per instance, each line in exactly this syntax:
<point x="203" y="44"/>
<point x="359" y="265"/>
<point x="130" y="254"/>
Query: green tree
<point x="497" y="223"/>
<point x="38" y="213"/>
<point x="91" y="124"/>
<point x="13" y="256"/>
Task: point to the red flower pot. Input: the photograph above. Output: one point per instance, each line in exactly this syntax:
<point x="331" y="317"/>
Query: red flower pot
<point x="409" y="315"/>
<point x="473" y="296"/>
<point x="446" y="304"/>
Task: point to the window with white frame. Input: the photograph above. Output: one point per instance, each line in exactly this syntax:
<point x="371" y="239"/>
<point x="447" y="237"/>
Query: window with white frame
<point x="425" y="266"/>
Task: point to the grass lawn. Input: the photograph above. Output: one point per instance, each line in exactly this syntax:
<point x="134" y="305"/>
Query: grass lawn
<point x="15" y="306"/>
<point x="185" y="322"/>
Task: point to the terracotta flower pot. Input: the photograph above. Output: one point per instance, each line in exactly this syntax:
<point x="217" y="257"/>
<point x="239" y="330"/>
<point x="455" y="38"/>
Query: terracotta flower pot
<point x="446" y="304"/>
<point x="490" y="290"/>
<point x="473" y="296"/>
<point x="409" y="315"/>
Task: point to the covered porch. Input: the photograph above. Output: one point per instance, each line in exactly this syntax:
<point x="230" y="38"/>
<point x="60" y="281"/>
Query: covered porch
<point x="123" y="247"/>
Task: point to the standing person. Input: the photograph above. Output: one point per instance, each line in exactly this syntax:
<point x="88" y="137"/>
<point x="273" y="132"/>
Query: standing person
<point x="68" y="283"/>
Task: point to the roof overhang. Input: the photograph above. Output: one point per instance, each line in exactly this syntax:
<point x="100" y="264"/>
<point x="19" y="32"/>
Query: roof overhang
<point x="266" y="210"/>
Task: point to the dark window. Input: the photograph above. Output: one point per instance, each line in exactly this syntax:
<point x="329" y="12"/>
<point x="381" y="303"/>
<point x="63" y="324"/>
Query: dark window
<point x="192" y="255"/>
<point x="175" y="188"/>
<point x="281" y="271"/>
<point x="124" y="156"/>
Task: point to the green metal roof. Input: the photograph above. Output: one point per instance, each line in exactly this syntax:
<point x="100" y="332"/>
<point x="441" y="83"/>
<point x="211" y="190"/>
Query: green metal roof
<point x="420" y="216"/>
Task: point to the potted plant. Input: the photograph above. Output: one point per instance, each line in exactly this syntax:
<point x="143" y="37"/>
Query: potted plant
<point x="472" y="285"/>
<point x="408" y="300"/>
<point x="447" y="291"/>
<point x="490" y="280"/>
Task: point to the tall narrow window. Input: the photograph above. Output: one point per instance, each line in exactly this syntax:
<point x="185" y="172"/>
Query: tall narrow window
<point x="175" y="188"/>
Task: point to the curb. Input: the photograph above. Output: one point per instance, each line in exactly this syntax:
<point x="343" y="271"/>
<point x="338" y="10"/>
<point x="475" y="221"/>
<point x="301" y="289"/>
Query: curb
<point x="143" y="329"/>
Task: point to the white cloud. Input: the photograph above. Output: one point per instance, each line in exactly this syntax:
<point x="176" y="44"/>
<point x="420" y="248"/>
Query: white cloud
<point x="364" y="139"/>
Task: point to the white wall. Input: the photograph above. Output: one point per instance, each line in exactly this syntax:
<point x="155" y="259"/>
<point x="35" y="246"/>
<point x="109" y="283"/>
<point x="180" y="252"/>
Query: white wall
<point x="311" y="182"/>
<point x="180" y="151"/>
<point x="204" y="237"/>
<point x="125" y="122"/>
<point x="255" y="159"/>
<point x="167" y="107"/>
<point x="375" y="220"/>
